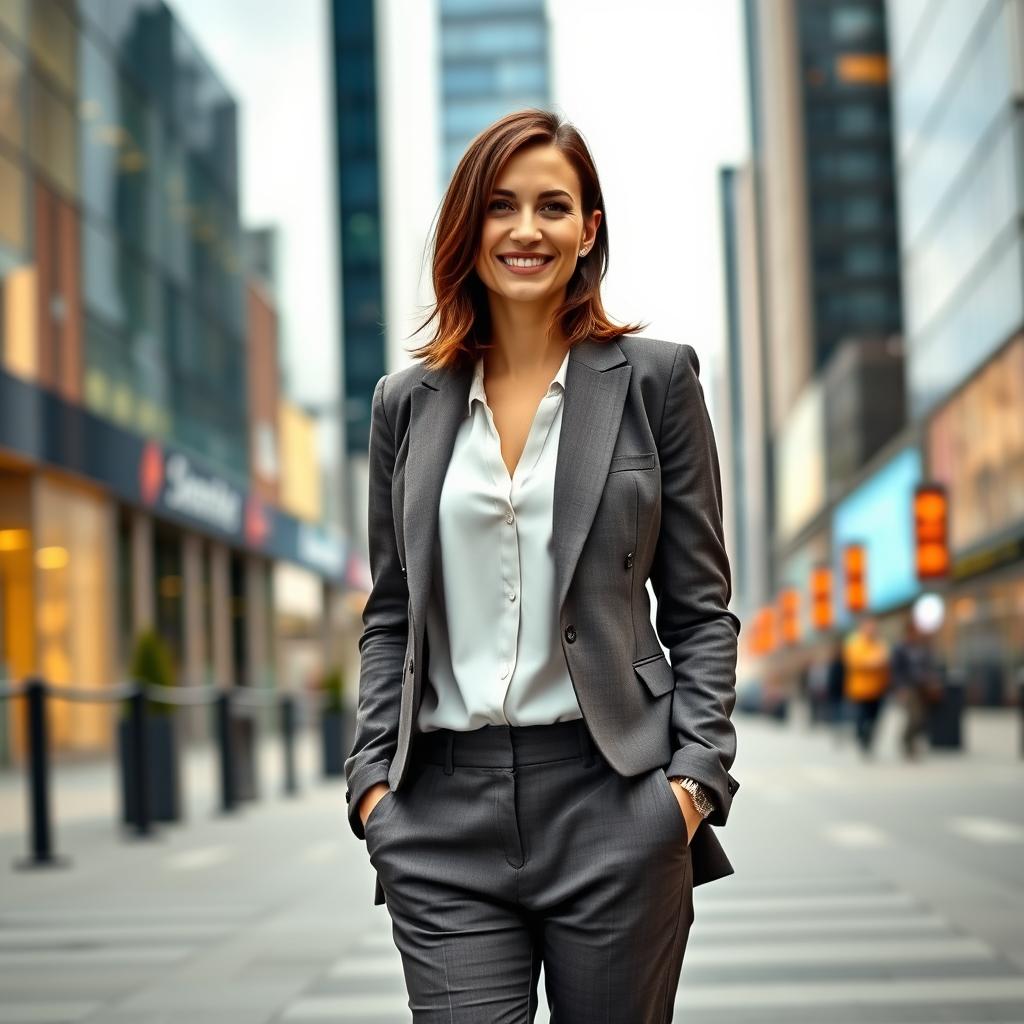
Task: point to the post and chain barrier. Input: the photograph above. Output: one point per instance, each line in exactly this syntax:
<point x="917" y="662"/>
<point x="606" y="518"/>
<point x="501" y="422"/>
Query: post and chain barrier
<point x="227" y="703"/>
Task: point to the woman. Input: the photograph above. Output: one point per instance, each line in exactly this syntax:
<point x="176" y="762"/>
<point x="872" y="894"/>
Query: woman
<point x="530" y="772"/>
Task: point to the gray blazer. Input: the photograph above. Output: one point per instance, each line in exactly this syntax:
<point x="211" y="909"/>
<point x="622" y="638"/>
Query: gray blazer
<point x="637" y="495"/>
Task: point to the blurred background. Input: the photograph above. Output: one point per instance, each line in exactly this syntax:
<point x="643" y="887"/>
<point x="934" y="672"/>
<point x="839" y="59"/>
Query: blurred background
<point x="214" y="218"/>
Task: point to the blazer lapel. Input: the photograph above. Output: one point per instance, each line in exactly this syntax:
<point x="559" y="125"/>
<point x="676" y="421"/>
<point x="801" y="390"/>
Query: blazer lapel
<point x="597" y="379"/>
<point x="596" y="382"/>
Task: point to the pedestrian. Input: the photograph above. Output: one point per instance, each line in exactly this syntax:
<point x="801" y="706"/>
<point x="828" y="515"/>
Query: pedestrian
<point x="815" y="686"/>
<point x="533" y="776"/>
<point x="836" y="691"/>
<point x="866" y="661"/>
<point x="917" y="682"/>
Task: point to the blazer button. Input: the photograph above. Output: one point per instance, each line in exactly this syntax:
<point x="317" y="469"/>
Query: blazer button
<point x="403" y="572"/>
<point x="570" y="634"/>
<point x="410" y="665"/>
<point x="629" y="559"/>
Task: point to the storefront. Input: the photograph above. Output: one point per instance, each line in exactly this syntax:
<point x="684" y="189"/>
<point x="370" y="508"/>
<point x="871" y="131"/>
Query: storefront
<point x="976" y="449"/>
<point x="103" y="534"/>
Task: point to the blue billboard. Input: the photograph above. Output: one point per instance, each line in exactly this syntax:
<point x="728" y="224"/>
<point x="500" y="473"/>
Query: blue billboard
<point x="880" y="515"/>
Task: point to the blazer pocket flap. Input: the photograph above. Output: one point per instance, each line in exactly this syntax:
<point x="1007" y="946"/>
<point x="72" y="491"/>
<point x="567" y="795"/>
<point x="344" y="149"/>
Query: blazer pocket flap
<point x="645" y="460"/>
<point x="657" y="674"/>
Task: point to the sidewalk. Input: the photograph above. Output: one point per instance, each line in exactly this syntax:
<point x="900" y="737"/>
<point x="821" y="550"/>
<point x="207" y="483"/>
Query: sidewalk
<point x="991" y="736"/>
<point x="90" y="791"/>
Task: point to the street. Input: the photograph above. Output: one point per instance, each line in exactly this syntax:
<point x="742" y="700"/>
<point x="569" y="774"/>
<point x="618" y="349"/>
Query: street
<point x="877" y="892"/>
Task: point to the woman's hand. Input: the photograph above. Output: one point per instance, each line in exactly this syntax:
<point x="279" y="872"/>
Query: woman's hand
<point x="370" y="799"/>
<point x="692" y="816"/>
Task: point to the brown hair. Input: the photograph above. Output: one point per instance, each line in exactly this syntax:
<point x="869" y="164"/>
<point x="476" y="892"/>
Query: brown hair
<point x="461" y="307"/>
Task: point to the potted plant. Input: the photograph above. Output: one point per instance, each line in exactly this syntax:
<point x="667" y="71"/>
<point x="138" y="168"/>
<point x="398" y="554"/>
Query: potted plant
<point x="151" y="662"/>
<point x="335" y="740"/>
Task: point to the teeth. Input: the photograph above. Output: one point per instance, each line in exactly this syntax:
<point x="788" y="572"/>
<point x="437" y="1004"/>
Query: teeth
<point x="520" y="261"/>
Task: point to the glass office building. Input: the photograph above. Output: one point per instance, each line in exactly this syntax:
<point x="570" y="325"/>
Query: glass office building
<point x="957" y="90"/>
<point x="958" y="94"/>
<point x="354" y="33"/>
<point x="130" y="494"/>
<point x="494" y="59"/>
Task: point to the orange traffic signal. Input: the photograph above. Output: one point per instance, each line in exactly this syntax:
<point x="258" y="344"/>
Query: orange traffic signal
<point x="931" y="531"/>
<point x="789" y="614"/>
<point x="821" y="598"/>
<point x="855" y="572"/>
<point x="762" y="637"/>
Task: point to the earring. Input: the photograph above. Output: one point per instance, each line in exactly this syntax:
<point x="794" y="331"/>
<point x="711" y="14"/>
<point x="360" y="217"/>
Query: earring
<point x="583" y="252"/>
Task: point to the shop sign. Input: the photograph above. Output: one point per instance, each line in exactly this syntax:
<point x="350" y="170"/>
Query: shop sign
<point x="320" y="550"/>
<point x="182" y="488"/>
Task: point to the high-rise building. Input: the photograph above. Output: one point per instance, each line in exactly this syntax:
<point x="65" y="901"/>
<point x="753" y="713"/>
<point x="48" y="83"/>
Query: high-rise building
<point x="958" y="97"/>
<point x="358" y="168"/>
<point x="829" y="279"/>
<point x="494" y="59"/>
<point x="745" y="450"/>
<point x="140" y="480"/>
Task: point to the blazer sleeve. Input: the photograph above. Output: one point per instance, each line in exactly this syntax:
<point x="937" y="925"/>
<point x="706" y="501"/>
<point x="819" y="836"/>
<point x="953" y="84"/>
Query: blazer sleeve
<point x="691" y="580"/>
<point x="385" y="627"/>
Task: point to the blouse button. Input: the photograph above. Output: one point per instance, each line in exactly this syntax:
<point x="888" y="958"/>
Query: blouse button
<point x="509" y="518"/>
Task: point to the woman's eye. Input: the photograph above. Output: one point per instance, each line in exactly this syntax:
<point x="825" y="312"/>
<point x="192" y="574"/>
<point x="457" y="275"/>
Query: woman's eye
<point x="557" y="206"/>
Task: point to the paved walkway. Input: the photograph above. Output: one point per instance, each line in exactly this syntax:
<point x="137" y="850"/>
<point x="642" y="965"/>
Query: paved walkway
<point x="865" y="893"/>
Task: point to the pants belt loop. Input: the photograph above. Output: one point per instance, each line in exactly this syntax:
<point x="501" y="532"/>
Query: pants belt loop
<point x="586" y="745"/>
<point x="449" y="760"/>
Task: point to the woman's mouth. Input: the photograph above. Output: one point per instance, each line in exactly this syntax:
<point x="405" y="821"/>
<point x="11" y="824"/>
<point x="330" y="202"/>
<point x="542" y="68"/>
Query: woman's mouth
<point x="525" y="264"/>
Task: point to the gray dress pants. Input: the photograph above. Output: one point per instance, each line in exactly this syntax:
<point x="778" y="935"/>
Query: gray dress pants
<point x="509" y="846"/>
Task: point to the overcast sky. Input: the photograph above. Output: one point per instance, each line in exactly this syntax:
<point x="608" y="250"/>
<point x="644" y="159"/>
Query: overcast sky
<point x="656" y="87"/>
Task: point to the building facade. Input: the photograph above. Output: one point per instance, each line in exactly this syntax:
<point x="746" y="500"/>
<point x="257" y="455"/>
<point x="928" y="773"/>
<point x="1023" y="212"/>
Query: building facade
<point x="958" y="96"/>
<point x="139" y="397"/>
<point x="494" y="59"/>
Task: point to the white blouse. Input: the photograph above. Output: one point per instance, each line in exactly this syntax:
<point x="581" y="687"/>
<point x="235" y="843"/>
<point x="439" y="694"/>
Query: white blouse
<point x="492" y="627"/>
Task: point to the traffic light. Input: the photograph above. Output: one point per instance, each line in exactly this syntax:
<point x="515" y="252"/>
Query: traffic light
<point x="821" y="598"/>
<point x="762" y="637"/>
<point x="855" y="572"/>
<point x="789" y="614"/>
<point x="931" y="531"/>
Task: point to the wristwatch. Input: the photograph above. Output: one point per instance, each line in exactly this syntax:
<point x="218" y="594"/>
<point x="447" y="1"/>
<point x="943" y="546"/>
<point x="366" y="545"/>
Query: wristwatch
<point x="697" y="792"/>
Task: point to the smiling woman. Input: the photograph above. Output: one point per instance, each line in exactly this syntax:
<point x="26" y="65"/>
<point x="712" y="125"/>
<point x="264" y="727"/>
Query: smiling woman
<point x="530" y="771"/>
<point x="526" y="189"/>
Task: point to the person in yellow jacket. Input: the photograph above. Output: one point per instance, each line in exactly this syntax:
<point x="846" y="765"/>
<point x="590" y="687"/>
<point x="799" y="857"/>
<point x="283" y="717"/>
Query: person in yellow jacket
<point x="867" y="660"/>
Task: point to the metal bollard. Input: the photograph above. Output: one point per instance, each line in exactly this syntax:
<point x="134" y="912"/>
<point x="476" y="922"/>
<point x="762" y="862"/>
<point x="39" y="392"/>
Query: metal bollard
<point x="229" y="800"/>
<point x="142" y="813"/>
<point x="1020" y="706"/>
<point x="291" y="787"/>
<point x="41" y="854"/>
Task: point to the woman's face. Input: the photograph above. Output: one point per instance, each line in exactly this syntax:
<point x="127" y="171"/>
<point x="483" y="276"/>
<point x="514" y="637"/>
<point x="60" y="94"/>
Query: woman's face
<point x="534" y="209"/>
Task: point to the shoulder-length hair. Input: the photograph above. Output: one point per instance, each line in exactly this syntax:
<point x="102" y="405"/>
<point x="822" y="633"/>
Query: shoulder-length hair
<point x="461" y="307"/>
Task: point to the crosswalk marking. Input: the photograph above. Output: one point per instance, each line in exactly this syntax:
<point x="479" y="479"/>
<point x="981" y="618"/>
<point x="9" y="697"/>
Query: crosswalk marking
<point x="199" y="858"/>
<point x="347" y="1007"/>
<point x="322" y="853"/>
<point x="122" y="934"/>
<point x="816" y="925"/>
<point x="46" y="1013"/>
<point x="368" y="967"/>
<point x="795" y="904"/>
<point x="972" y="990"/>
<point x="92" y="956"/>
<point x="943" y="949"/>
<point x="858" y="834"/>
<point x="230" y="914"/>
<point x="988" y="830"/>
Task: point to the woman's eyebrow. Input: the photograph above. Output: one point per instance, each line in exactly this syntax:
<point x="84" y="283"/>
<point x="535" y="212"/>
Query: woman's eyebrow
<point x="541" y="195"/>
